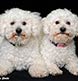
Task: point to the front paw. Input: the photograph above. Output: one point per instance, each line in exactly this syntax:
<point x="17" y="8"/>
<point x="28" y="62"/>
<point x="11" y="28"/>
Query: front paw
<point x="72" y="68"/>
<point x="55" y="72"/>
<point x="38" y="71"/>
<point x="3" y="71"/>
<point x="74" y="71"/>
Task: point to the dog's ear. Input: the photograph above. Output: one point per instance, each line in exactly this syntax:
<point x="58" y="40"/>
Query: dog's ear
<point x="2" y="24"/>
<point x="45" y="26"/>
<point x="1" y="29"/>
<point x="36" y="24"/>
<point x="76" y="25"/>
<point x="77" y="30"/>
<point x="36" y="29"/>
<point x="75" y="21"/>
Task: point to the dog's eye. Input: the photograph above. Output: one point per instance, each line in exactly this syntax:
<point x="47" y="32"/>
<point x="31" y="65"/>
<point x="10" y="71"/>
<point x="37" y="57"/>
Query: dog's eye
<point x="12" y="23"/>
<point x="68" y="23"/>
<point x="57" y="22"/>
<point x="23" y="23"/>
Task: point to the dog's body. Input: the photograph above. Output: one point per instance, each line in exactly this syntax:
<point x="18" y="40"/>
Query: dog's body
<point x="58" y="56"/>
<point x="58" y="48"/>
<point x="20" y="46"/>
<point x="14" y="57"/>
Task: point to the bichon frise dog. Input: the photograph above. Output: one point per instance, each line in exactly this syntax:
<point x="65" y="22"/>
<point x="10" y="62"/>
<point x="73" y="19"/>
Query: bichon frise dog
<point x="20" y="46"/>
<point x="57" y="46"/>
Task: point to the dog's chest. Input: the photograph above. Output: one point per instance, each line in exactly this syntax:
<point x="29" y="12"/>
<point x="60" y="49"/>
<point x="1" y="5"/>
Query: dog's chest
<point x="27" y="51"/>
<point x="25" y="55"/>
<point x="57" y="54"/>
<point x="23" y="58"/>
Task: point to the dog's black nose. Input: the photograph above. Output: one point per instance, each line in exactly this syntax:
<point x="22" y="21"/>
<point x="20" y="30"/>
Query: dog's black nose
<point x="18" y="30"/>
<point x="62" y="29"/>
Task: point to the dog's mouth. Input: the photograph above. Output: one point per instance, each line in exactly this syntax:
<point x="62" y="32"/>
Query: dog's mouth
<point x="14" y="36"/>
<point x="18" y="40"/>
<point x="63" y="33"/>
<point x="63" y="37"/>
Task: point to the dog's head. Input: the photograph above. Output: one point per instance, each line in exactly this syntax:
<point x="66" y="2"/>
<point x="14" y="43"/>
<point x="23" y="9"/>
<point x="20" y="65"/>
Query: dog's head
<point x="60" y="25"/>
<point x="18" y="26"/>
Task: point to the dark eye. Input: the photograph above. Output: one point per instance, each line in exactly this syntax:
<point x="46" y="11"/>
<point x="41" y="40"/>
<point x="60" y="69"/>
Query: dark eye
<point x="68" y="23"/>
<point x="24" y="23"/>
<point x="57" y="22"/>
<point x="12" y="23"/>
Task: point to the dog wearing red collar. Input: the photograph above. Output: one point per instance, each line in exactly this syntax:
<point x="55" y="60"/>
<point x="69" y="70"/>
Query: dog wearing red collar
<point x="57" y="47"/>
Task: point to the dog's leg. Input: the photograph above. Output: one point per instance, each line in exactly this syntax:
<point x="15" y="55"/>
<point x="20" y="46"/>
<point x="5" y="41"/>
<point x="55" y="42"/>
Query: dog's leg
<point x="53" y="69"/>
<point x="72" y="65"/>
<point x="38" y="68"/>
<point x="5" y="67"/>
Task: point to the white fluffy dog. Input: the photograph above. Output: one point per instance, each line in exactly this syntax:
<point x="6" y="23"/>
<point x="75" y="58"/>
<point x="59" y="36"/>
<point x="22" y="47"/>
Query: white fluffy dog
<point x="20" y="46"/>
<point x="57" y="46"/>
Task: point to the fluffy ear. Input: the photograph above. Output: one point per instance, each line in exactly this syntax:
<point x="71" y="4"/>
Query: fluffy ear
<point x="76" y="25"/>
<point x="36" y="24"/>
<point x="36" y="29"/>
<point x="1" y="29"/>
<point x="45" y="26"/>
<point x="1" y="35"/>
<point x="77" y="31"/>
<point x="2" y="26"/>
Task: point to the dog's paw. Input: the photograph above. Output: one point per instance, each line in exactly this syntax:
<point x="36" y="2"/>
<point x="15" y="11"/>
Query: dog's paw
<point x="72" y="68"/>
<point x="74" y="71"/>
<point x="3" y="71"/>
<point x="38" y="71"/>
<point x="56" y="72"/>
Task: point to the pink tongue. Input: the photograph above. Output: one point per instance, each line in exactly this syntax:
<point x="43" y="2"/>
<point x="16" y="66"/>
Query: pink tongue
<point x="60" y="45"/>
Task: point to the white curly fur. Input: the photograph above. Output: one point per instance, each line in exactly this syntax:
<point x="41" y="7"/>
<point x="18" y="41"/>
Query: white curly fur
<point x="25" y="54"/>
<point x="57" y="57"/>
